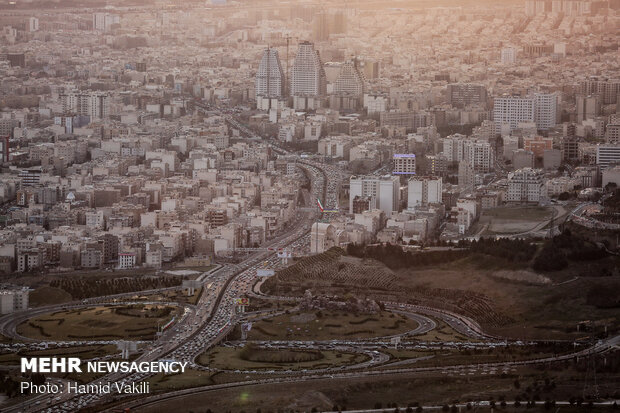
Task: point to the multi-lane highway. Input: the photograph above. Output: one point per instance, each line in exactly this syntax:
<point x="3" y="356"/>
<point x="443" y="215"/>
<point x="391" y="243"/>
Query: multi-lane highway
<point x="209" y="321"/>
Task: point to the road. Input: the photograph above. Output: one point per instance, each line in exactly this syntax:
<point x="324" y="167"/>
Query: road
<point x="207" y="323"/>
<point x="213" y="316"/>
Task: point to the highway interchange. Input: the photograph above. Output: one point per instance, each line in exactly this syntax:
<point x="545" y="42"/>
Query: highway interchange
<point x="208" y="322"/>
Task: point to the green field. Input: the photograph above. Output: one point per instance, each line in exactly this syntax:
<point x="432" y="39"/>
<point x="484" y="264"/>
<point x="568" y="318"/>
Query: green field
<point x="137" y="322"/>
<point x="327" y="325"/>
<point x="250" y="358"/>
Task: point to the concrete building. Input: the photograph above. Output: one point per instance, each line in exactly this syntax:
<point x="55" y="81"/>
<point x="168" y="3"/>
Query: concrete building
<point x="537" y="145"/>
<point x="588" y="107"/>
<point x="13" y="299"/>
<point x="308" y="76"/>
<point x="545" y="110"/>
<point x="608" y="154"/>
<point x="480" y="154"/>
<point x="422" y="191"/>
<point x="350" y="80"/>
<point x="525" y="186"/>
<point x="126" y="260"/>
<point x="383" y="191"/>
<point x="270" y="79"/>
<point x="552" y="159"/>
<point x="541" y="109"/>
<point x="522" y="158"/>
<point x="404" y="164"/>
<point x="461" y="95"/>
<point x="466" y="177"/>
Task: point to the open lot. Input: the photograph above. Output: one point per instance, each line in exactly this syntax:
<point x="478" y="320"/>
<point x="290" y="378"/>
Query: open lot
<point x="137" y="322"/>
<point x="510" y="220"/>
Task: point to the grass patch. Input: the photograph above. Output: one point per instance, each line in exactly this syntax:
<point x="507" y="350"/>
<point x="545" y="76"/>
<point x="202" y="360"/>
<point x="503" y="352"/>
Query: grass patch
<point x="331" y="325"/>
<point x="251" y="358"/>
<point x="136" y="322"/>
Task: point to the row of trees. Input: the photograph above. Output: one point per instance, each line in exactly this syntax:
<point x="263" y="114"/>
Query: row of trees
<point x="516" y="250"/>
<point x="394" y="257"/>
<point x="554" y="254"/>
<point x="80" y="288"/>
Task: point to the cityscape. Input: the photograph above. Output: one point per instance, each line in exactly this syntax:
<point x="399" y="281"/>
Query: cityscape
<point x="274" y="206"/>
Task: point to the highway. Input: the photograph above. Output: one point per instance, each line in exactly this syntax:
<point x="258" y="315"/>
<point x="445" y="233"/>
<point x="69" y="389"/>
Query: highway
<point x="204" y="326"/>
<point x="214" y="316"/>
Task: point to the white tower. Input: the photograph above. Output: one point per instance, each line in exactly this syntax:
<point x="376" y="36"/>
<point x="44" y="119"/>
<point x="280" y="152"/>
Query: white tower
<point x="270" y="77"/>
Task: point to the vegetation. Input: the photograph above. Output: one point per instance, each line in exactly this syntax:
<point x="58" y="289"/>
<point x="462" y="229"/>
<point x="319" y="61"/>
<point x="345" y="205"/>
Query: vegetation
<point x="81" y="288"/>
<point x="132" y="322"/>
<point x="251" y="357"/>
<point x="327" y="325"/>
<point x="394" y="257"/>
<point x="556" y="253"/>
<point x="251" y="352"/>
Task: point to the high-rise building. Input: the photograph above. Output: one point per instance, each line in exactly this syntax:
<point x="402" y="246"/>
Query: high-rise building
<point x="454" y="147"/>
<point x="270" y="78"/>
<point x="570" y="148"/>
<point x="467" y="177"/>
<point x="612" y="134"/>
<point x="94" y="104"/>
<point x="479" y="154"/>
<point x="607" y="89"/>
<point x="308" y="76"/>
<point x="512" y="110"/>
<point x="383" y="191"/>
<point x="607" y="154"/>
<point x="545" y="110"/>
<point x="423" y="190"/>
<point x="436" y="165"/>
<point x="525" y="186"/>
<point x="404" y="164"/>
<point x="104" y="21"/>
<point x="350" y="80"/>
<point x="540" y="108"/>
<point x="588" y="107"/>
<point x="463" y="94"/>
